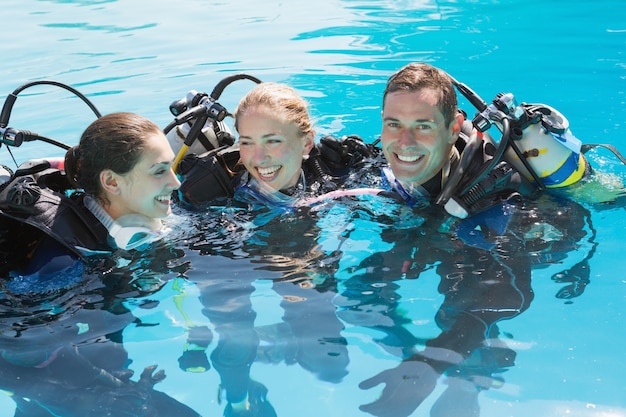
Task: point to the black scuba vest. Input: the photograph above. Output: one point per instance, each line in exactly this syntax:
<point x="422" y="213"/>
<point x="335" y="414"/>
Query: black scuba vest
<point x="216" y="174"/>
<point x="209" y="176"/>
<point x="39" y="202"/>
<point x="482" y="155"/>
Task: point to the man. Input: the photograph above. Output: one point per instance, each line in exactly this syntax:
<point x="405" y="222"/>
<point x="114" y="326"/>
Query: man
<point x="421" y="124"/>
<point x="484" y="264"/>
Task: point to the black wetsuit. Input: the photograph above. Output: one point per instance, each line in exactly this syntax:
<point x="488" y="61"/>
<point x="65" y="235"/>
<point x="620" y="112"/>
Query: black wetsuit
<point x="41" y="216"/>
<point x="215" y="176"/>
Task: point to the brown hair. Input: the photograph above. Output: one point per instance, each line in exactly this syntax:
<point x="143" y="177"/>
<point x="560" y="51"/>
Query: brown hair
<point x="280" y="98"/>
<point x="420" y="76"/>
<point x="115" y="141"/>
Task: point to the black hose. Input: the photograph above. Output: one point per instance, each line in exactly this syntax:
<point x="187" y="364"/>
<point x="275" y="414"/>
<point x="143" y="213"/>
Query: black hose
<point x="5" y="114"/>
<point x="219" y="88"/>
<point x="502" y="145"/>
<point x="8" y="104"/>
<point x="585" y="148"/>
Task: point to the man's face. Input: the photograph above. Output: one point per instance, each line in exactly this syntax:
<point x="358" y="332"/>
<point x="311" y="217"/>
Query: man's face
<point x="415" y="139"/>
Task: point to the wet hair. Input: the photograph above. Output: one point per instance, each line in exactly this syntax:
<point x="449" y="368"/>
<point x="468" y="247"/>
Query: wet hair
<point x="419" y="76"/>
<point x="114" y="141"/>
<point x="282" y="100"/>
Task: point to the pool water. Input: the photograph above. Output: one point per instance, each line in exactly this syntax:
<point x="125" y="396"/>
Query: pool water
<point x="302" y="308"/>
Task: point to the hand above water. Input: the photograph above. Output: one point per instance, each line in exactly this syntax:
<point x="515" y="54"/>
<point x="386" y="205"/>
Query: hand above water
<point x="406" y="387"/>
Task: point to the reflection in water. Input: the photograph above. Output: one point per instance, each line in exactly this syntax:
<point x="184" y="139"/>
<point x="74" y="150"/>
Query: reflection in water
<point x="309" y="335"/>
<point x="322" y="266"/>
<point x="341" y="264"/>
<point x="62" y="351"/>
<point x="484" y="269"/>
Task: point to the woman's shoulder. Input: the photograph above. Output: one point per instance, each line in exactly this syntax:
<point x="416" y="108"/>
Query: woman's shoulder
<point x="40" y="202"/>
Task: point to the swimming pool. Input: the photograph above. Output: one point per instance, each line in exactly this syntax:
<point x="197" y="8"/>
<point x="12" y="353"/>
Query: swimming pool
<point x="324" y="296"/>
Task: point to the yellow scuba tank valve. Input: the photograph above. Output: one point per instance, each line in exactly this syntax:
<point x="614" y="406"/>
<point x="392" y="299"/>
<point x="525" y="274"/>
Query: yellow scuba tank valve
<point x="207" y="138"/>
<point x="199" y="116"/>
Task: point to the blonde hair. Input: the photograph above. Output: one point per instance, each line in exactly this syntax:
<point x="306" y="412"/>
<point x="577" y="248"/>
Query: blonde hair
<point x="281" y="99"/>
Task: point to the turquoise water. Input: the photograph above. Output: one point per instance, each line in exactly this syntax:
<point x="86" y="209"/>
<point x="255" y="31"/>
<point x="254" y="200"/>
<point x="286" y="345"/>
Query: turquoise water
<point x="141" y="55"/>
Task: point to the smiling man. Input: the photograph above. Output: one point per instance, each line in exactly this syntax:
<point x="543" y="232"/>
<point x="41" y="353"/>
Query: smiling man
<point x="421" y="124"/>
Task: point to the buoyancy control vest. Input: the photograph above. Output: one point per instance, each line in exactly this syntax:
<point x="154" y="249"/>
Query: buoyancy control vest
<point x="209" y="176"/>
<point x="39" y="201"/>
<point x="215" y="174"/>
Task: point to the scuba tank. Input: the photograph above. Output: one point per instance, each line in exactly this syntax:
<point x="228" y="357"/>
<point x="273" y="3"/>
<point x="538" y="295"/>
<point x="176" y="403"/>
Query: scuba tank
<point x="536" y="151"/>
<point x="198" y="116"/>
<point x="548" y="147"/>
<point x="206" y="160"/>
<point x="213" y="134"/>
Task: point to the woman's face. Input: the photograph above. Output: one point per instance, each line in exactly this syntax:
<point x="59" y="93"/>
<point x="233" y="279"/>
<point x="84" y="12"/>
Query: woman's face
<point x="271" y="148"/>
<point x="147" y="188"/>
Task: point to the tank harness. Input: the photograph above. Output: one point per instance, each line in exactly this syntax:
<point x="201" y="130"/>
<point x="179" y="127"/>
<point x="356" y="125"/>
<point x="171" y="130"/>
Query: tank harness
<point x="39" y="201"/>
<point x="218" y="174"/>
